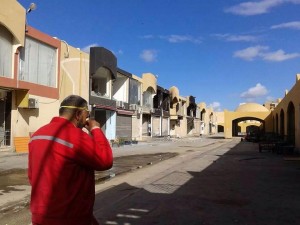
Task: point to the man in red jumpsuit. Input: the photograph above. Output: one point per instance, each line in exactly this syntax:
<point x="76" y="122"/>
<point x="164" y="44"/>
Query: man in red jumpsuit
<point x="62" y="161"/>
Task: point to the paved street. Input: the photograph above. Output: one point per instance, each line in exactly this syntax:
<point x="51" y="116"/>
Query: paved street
<point x="230" y="184"/>
<point x="187" y="181"/>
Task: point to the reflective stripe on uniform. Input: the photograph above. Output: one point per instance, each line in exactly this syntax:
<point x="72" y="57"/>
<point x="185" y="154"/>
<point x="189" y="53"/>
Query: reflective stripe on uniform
<point x="52" y="138"/>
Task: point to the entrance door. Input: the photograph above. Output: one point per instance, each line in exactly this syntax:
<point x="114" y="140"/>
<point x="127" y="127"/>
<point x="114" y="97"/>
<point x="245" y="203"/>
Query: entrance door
<point x="146" y="128"/>
<point x="2" y="122"/>
<point x="100" y="117"/>
<point x="156" y="126"/>
<point x="165" y="126"/>
<point x="5" y="117"/>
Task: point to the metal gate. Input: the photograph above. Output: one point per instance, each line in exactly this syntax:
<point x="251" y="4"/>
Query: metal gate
<point x="146" y="127"/>
<point x="124" y="126"/>
<point x="165" y="127"/>
<point x="156" y="126"/>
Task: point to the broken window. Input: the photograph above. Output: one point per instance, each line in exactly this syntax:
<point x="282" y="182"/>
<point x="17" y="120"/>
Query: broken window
<point x="101" y="82"/>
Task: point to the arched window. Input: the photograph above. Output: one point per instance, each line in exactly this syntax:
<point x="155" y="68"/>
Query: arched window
<point x="276" y="126"/>
<point x="148" y="97"/>
<point x="101" y="82"/>
<point x="274" y="123"/>
<point x="202" y="115"/>
<point x="282" y="123"/>
<point x="291" y="123"/>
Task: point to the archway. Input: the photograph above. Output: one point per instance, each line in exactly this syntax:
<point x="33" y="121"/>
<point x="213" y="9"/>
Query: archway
<point x="243" y="125"/>
<point x="245" y="118"/>
<point x="291" y="123"/>
<point x="276" y="126"/>
<point x="274" y="123"/>
<point x="282" y="123"/>
<point x="202" y="114"/>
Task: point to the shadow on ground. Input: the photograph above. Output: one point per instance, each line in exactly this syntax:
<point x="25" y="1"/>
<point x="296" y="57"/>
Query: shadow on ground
<point x="242" y="187"/>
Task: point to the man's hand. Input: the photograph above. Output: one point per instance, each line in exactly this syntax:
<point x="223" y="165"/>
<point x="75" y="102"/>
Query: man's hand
<point x="91" y="123"/>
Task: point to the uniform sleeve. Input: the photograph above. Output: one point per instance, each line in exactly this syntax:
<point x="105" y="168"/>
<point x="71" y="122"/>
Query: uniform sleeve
<point x="94" y="150"/>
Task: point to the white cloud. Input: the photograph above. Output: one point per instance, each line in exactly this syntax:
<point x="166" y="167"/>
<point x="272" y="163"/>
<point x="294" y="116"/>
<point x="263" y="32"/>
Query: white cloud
<point x="254" y="92"/>
<point x="250" y="53"/>
<point x="261" y="52"/>
<point x="216" y="106"/>
<point x="290" y="25"/>
<point x="237" y="38"/>
<point x="279" y="56"/>
<point x="174" y="38"/>
<point x="241" y="38"/>
<point x="149" y="55"/>
<point x="181" y="38"/>
<point x="148" y="36"/>
<point x="87" y="48"/>
<point x="270" y="99"/>
<point x="257" y="7"/>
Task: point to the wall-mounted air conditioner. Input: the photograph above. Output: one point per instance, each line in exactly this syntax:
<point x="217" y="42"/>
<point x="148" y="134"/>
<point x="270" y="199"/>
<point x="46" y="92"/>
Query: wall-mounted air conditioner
<point x="120" y="104"/>
<point x="133" y="107"/>
<point x="33" y="103"/>
<point x="140" y="110"/>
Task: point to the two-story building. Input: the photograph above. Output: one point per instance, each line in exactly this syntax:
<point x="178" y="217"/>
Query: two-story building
<point x="178" y="121"/>
<point x="29" y="77"/>
<point x="114" y="94"/>
<point x="161" y="113"/>
<point x="135" y="101"/>
<point x="149" y="90"/>
<point x="193" y="122"/>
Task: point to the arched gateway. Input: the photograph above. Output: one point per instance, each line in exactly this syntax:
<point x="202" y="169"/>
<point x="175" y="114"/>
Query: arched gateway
<point x="251" y="114"/>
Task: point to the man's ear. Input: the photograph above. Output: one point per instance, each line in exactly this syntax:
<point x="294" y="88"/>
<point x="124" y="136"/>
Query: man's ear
<point x="77" y="114"/>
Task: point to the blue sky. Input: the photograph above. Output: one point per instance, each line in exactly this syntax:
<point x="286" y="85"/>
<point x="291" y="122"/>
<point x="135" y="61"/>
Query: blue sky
<point x="222" y="52"/>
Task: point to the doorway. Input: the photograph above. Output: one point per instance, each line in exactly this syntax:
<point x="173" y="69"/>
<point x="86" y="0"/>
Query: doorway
<point x="100" y="117"/>
<point x="5" y="117"/>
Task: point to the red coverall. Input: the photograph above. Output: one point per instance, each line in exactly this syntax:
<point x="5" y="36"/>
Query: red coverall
<point x="62" y="160"/>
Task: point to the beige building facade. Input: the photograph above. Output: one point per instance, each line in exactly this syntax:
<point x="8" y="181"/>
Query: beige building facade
<point x="178" y="109"/>
<point x="30" y="93"/>
<point x="285" y="116"/>
<point x="209" y="120"/>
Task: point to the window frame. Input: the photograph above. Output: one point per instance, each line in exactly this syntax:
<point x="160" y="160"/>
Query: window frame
<point x="31" y="74"/>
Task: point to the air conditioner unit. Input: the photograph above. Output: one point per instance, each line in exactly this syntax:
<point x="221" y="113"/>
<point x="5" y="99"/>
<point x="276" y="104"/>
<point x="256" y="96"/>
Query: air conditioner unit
<point x="33" y="103"/>
<point x="120" y="104"/>
<point x="133" y="107"/>
<point x="152" y="110"/>
<point x="139" y="110"/>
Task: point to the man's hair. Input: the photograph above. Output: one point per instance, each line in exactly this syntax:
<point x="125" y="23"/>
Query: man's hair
<point x="71" y="104"/>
